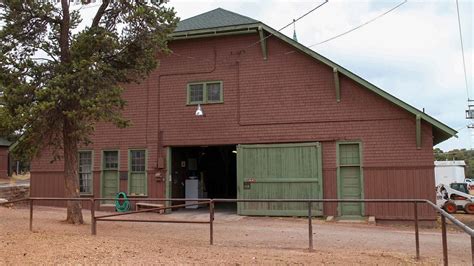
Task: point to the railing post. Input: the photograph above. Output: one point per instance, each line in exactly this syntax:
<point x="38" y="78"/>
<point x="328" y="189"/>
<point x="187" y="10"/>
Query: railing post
<point x="472" y="249"/>
<point x="310" y="227"/>
<point x="417" y="235"/>
<point x="445" y="242"/>
<point x="211" y="222"/>
<point x="93" y="221"/>
<point x="31" y="215"/>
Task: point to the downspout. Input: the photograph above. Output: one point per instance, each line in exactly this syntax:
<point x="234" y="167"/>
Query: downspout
<point x="238" y="91"/>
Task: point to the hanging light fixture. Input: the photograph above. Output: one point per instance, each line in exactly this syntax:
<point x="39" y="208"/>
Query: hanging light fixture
<point x="199" y="111"/>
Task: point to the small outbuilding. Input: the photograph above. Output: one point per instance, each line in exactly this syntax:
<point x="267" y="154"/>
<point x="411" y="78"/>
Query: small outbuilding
<point x="4" y="158"/>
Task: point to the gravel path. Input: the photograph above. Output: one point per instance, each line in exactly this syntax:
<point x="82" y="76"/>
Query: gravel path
<point x="238" y="240"/>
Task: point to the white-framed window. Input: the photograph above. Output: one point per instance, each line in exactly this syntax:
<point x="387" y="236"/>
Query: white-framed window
<point x="137" y="183"/>
<point x="205" y="92"/>
<point x="85" y="172"/>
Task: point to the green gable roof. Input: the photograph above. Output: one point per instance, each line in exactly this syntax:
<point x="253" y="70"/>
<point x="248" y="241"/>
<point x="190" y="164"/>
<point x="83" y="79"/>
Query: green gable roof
<point x="4" y="143"/>
<point x="213" y="19"/>
<point x="217" y="25"/>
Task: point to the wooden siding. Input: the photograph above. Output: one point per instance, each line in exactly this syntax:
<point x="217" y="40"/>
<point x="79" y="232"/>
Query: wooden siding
<point x="399" y="182"/>
<point x="287" y="98"/>
<point x="3" y="162"/>
<point x="283" y="171"/>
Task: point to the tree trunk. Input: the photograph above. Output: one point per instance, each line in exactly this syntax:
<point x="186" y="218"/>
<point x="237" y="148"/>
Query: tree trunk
<point x="71" y="176"/>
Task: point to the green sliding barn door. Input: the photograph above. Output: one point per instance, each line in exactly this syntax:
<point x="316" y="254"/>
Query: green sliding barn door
<point x="350" y="179"/>
<point x="110" y="175"/>
<point x="279" y="171"/>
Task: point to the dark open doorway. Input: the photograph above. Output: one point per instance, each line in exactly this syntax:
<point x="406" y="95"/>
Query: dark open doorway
<point x="205" y="172"/>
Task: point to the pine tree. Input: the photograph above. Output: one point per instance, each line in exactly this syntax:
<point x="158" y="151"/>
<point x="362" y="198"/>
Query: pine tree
<point x="58" y="81"/>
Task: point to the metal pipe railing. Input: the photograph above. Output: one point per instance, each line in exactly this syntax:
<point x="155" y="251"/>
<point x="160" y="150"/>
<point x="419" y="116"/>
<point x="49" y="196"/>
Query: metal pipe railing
<point x="212" y="202"/>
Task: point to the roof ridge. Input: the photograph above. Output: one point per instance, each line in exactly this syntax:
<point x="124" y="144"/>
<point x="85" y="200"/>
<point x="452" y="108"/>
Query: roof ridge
<point x="235" y="13"/>
<point x="215" y="18"/>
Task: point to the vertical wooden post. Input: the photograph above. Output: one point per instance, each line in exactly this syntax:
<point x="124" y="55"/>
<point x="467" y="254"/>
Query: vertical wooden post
<point x="310" y="227"/>
<point x="472" y="250"/>
<point x="93" y="221"/>
<point x="445" y="241"/>
<point x="211" y="222"/>
<point x="31" y="215"/>
<point x="417" y="235"/>
<point x="418" y="131"/>
<point x="263" y="43"/>
<point x="337" y="84"/>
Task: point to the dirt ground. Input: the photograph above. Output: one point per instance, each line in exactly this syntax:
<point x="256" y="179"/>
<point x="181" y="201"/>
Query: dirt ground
<point x="237" y="240"/>
<point x="467" y="219"/>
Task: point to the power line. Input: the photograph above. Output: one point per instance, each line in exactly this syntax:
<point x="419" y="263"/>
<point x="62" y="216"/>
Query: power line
<point x="361" y="25"/>
<point x="462" y="128"/>
<point x="257" y="42"/>
<point x="462" y="50"/>
<point x="289" y="24"/>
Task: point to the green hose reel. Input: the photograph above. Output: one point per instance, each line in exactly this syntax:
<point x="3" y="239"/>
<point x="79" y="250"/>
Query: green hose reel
<point x="122" y="204"/>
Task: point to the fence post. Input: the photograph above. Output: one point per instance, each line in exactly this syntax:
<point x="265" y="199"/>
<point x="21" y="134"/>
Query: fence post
<point x="310" y="227"/>
<point x="417" y="235"/>
<point x="211" y="222"/>
<point x="31" y="215"/>
<point x="445" y="242"/>
<point x="472" y="249"/>
<point x="93" y="222"/>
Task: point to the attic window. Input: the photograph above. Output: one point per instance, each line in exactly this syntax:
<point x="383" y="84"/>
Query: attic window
<point x="204" y="92"/>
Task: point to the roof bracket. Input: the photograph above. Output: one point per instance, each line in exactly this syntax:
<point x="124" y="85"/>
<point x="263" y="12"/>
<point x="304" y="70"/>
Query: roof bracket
<point x="418" y="132"/>
<point x="337" y="84"/>
<point x="263" y="42"/>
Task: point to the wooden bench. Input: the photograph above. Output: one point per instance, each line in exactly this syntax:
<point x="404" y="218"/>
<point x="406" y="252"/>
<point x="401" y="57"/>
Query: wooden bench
<point x="139" y="205"/>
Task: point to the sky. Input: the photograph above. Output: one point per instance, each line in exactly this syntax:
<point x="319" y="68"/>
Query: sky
<point x="414" y="52"/>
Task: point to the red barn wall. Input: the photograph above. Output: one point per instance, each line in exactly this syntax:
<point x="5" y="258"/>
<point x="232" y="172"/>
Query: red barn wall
<point x="3" y="162"/>
<point x="288" y="98"/>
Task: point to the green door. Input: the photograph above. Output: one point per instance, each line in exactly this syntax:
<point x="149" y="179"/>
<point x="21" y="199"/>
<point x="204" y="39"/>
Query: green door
<point x="110" y="175"/>
<point x="350" y="179"/>
<point x="279" y="171"/>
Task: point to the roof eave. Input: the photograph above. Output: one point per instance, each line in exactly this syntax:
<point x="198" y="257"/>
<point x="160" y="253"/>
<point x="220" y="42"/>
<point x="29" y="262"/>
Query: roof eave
<point x="250" y="28"/>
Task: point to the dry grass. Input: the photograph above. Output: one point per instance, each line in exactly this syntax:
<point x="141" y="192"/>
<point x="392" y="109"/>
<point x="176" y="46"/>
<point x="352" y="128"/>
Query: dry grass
<point x="25" y="176"/>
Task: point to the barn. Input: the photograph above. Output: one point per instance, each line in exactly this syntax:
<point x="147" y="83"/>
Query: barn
<point x="239" y="110"/>
<point x="4" y="158"/>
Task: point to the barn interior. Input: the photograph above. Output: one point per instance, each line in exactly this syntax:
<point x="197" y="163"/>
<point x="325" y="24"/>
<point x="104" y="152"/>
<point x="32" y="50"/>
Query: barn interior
<point x="205" y="172"/>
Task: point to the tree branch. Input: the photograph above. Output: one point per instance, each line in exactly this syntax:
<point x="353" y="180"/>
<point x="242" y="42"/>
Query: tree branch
<point x="33" y="14"/>
<point x="44" y="59"/>
<point x="100" y="13"/>
<point x="51" y="55"/>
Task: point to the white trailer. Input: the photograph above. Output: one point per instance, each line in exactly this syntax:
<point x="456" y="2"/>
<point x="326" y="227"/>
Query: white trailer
<point x="447" y="172"/>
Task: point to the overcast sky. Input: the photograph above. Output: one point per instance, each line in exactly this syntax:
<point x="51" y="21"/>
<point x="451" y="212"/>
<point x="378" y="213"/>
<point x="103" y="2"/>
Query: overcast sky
<point x="414" y="52"/>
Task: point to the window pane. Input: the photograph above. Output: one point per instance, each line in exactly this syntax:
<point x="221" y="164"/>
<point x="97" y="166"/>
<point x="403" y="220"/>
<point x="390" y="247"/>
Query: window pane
<point x="213" y="92"/>
<point x="111" y="160"/>
<point x="138" y="184"/>
<point x="85" y="162"/>
<point x="137" y="172"/>
<point x="196" y="93"/>
<point x="349" y="154"/>
<point x="85" y="172"/>
<point x="85" y="183"/>
<point x="137" y="161"/>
